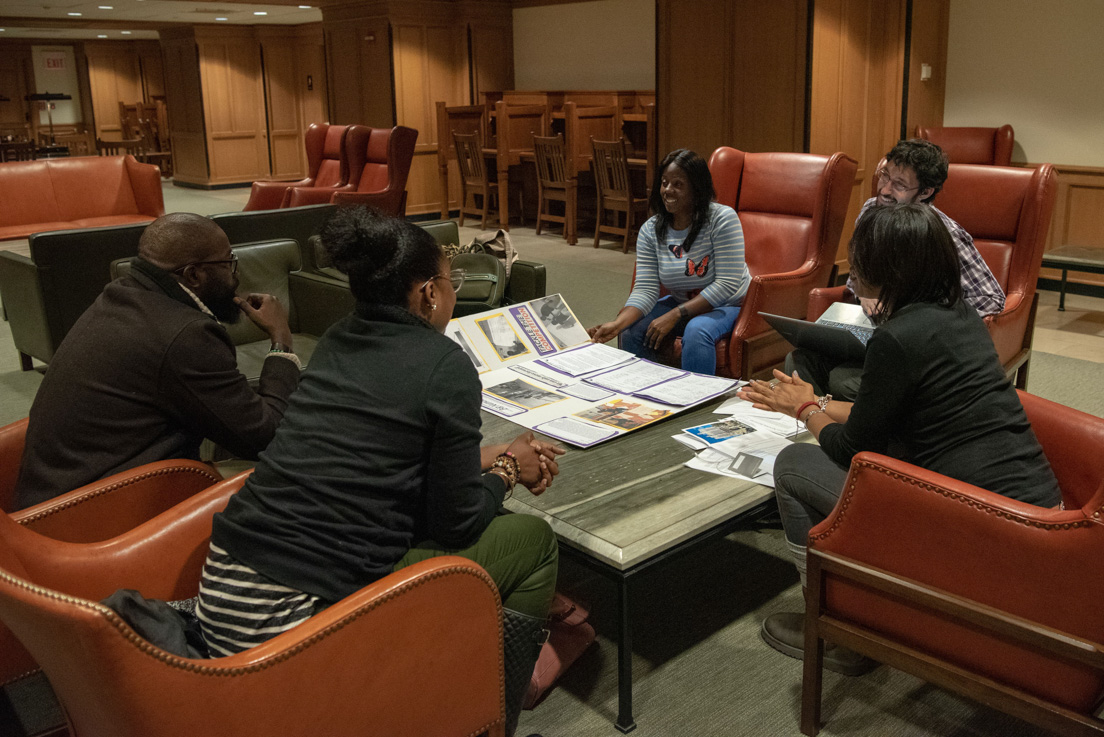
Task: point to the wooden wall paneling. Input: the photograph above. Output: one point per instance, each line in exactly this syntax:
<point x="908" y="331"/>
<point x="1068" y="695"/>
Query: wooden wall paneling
<point x="310" y="64"/>
<point x="114" y="76"/>
<point x="286" y="152"/>
<point x="233" y="104"/>
<point x="857" y="86"/>
<point x="927" y="45"/>
<point x="431" y="65"/>
<point x="184" y="97"/>
<point x="14" y="60"/>
<point x="153" y="71"/>
<point x="1078" y="218"/>
<point x="492" y="54"/>
<point x="692" y="106"/>
<point x="769" y="50"/>
<point x="358" y="64"/>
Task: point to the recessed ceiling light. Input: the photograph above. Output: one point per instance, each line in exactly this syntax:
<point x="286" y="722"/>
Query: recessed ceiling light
<point x="125" y="33"/>
<point x="101" y="35"/>
<point x="106" y="7"/>
<point x="305" y="7"/>
<point x="260" y="12"/>
<point x="75" y="15"/>
<point x="222" y="19"/>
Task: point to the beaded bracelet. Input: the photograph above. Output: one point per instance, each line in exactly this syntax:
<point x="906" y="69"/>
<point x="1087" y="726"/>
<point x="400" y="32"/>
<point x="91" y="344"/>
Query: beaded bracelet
<point x="510" y="466"/>
<point x="505" y="480"/>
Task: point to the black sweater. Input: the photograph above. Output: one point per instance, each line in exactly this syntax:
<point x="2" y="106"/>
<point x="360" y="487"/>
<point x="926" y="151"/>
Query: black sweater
<point x="378" y="450"/>
<point x="934" y="394"/>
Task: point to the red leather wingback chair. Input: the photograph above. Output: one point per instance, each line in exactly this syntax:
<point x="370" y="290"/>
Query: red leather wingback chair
<point x="418" y="652"/>
<point x="327" y="166"/>
<point x="791" y="207"/>
<point x="972" y="145"/>
<point x="379" y="164"/>
<point x="966" y="588"/>
<point x="1007" y="211"/>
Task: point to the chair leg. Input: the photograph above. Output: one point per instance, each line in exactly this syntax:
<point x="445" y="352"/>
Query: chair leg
<point x="541" y="202"/>
<point x="26" y="363"/>
<point x="598" y="224"/>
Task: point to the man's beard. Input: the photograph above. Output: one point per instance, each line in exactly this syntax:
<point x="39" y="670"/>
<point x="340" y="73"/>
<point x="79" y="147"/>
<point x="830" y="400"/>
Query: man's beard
<point x="221" y="304"/>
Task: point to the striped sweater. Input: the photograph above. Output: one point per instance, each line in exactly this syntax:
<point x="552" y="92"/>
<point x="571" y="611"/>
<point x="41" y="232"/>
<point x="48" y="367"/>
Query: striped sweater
<point x="714" y="266"/>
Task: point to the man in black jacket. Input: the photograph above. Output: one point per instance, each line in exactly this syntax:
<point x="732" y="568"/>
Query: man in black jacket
<point x="149" y="371"/>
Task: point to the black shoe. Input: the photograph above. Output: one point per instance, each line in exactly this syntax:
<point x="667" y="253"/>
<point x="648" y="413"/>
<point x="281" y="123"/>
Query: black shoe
<point x="785" y="632"/>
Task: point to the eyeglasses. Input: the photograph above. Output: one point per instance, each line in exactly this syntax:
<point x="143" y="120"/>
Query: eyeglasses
<point x="233" y="261"/>
<point x="896" y="186"/>
<point x="456" y="277"/>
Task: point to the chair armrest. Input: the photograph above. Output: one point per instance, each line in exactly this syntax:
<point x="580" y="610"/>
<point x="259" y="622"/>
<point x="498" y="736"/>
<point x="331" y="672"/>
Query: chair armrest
<point x="388" y="201"/>
<point x="528" y="280"/>
<point x="319" y="301"/>
<point x="270" y="195"/>
<point x="389" y="657"/>
<point x="822" y="298"/>
<point x="21" y="289"/>
<point x="299" y="196"/>
<point x="145" y="181"/>
<point x="13" y="438"/>
<point x="161" y="557"/>
<point x="112" y="506"/>
<point x="1073" y="442"/>
<point x="1008" y="327"/>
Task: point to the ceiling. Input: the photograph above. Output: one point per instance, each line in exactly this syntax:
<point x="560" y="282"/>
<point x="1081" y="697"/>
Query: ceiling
<point x="139" y="19"/>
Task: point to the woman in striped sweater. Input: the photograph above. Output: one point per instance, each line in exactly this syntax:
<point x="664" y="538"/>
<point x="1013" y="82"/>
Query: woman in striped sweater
<point x="693" y="248"/>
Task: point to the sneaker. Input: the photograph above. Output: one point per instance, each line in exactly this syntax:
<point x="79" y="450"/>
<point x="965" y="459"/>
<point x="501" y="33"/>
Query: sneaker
<point x="785" y="632"/>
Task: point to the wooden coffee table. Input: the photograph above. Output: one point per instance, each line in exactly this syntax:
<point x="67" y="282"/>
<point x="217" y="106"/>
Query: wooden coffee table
<point x="628" y="504"/>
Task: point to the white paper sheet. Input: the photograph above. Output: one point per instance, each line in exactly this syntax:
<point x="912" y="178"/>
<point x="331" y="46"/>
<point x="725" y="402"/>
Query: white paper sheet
<point x="689" y="389"/>
<point x="634" y="376"/>
<point x="587" y="359"/>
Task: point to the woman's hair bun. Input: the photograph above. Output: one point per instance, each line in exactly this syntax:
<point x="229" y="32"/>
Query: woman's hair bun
<point x="357" y="238"/>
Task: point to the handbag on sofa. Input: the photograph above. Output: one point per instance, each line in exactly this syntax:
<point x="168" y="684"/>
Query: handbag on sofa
<point x="484" y="282"/>
<point x="569" y="635"/>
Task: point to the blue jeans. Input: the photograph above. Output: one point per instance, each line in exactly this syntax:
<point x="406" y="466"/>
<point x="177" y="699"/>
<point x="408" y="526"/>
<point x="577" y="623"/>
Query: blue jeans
<point x="699" y="335"/>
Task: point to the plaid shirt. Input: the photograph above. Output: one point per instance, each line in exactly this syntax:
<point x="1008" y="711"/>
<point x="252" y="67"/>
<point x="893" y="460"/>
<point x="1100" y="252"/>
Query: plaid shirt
<point x="980" y="288"/>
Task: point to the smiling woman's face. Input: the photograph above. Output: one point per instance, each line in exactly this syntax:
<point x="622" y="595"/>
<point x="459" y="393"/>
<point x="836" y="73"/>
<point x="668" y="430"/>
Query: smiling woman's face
<point x="676" y="191"/>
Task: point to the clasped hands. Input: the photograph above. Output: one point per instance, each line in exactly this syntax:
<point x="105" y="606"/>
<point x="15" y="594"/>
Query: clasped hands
<point x="783" y="393"/>
<point x="536" y="461"/>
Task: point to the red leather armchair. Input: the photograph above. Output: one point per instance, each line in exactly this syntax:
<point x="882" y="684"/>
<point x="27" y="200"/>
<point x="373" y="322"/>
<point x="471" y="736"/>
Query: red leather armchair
<point x="379" y="164"/>
<point x="791" y="207"/>
<point x="416" y="653"/>
<point x="972" y="145"/>
<point x="1007" y="211"/>
<point x="327" y="166"/>
<point x="968" y="589"/>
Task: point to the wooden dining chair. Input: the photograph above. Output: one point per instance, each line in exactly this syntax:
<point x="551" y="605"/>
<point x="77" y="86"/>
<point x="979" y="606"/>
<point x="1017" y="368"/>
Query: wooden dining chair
<point x="554" y="184"/>
<point x="611" y="175"/>
<point x="474" y="181"/>
<point x="132" y="146"/>
<point x="18" y="151"/>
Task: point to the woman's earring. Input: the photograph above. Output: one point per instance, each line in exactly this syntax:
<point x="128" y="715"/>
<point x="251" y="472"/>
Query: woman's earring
<point x="433" y="307"/>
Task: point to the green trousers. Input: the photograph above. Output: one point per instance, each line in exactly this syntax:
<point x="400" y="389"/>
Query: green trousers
<point x="518" y="551"/>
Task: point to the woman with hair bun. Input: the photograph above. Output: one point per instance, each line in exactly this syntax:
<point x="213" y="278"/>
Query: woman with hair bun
<point x="694" y="248"/>
<point x="377" y="465"/>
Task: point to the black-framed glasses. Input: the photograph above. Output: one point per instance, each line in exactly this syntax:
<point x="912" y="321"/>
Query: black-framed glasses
<point x="898" y="187"/>
<point x="233" y="261"/>
<point x="455" y="277"/>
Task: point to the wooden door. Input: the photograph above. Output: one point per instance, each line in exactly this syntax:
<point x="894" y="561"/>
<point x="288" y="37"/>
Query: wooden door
<point x="114" y="75"/>
<point x="233" y="106"/>
<point x="857" y="88"/>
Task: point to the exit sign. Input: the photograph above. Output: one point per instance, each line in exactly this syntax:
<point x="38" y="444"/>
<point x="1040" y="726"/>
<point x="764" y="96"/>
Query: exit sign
<point x="54" y="61"/>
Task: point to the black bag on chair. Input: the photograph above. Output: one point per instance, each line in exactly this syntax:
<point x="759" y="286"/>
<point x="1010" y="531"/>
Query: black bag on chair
<point x="484" y="283"/>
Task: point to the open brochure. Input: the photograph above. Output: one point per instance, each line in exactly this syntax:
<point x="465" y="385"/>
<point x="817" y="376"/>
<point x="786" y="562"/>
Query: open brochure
<point x="540" y="371"/>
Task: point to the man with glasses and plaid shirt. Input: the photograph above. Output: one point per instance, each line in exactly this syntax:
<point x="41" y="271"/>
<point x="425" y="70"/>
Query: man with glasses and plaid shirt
<point x="149" y="371"/>
<point x="912" y="171"/>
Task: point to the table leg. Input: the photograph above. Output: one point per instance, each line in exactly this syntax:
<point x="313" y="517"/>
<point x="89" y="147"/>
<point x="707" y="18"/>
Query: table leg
<point x="1062" y="292"/>
<point x="625" y="723"/>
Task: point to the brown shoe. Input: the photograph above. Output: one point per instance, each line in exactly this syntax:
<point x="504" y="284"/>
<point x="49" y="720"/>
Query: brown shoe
<point x="785" y="632"/>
